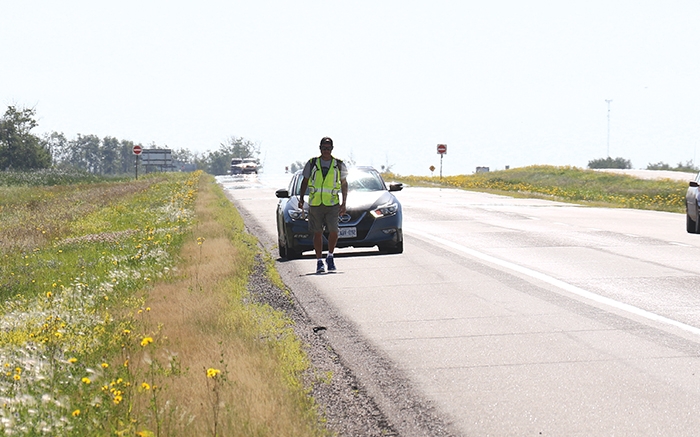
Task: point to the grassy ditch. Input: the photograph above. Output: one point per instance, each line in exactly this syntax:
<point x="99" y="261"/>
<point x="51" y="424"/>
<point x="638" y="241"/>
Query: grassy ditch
<point x="124" y="312"/>
<point x="569" y="184"/>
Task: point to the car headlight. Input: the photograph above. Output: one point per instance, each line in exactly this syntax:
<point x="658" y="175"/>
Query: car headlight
<point x="296" y="214"/>
<point x="385" y="210"/>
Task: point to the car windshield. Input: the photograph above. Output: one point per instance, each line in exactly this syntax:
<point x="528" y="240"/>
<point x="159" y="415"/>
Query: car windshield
<point x="362" y="180"/>
<point x="359" y="179"/>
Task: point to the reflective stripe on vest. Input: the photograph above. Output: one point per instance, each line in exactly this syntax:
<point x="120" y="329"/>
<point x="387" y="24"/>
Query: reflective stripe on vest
<point x="324" y="190"/>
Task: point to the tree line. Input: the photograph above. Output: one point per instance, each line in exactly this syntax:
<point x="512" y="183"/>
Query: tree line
<point x="621" y="163"/>
<point x="21" y="150"/>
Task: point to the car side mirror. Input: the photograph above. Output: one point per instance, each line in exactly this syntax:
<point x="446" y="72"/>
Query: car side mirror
<point x="693" y="184"/>
<point x="397" y="186"/>
<point x="282" y="193"/>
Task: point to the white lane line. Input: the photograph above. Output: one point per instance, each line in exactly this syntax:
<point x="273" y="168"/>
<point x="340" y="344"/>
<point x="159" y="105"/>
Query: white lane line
<point x="675" y="243"/>
<point x="556" y="282"/>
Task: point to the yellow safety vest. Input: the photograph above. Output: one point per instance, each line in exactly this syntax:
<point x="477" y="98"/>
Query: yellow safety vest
<point x="324" y="190"/>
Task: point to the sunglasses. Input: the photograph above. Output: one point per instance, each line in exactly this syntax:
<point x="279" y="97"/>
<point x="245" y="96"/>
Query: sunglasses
<point x="326" y="147"/>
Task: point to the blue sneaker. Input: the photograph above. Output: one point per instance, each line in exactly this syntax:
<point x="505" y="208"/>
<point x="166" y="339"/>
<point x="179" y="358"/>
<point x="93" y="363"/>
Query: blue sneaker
<point x="330" y="263"/>
<point x="319" y="266"/>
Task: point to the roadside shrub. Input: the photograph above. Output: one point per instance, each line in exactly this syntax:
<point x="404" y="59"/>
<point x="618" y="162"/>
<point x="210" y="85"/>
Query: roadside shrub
<point x="610" y="163"/>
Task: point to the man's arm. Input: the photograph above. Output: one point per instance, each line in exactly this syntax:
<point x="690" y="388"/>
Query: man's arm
<point x="344" y="192"/>
<point x="304" y="186"/>
<point x="306" y="173"/>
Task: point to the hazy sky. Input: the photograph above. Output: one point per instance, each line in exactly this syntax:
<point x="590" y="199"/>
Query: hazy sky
<point x="500" y="82"/>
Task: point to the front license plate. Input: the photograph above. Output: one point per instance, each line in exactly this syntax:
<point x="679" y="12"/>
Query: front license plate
<point x="347" y="232"/>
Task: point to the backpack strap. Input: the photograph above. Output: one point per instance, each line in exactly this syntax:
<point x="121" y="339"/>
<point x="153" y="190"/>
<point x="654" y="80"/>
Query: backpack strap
<point x="315" y="159"/>
<point x="313" y="170"/>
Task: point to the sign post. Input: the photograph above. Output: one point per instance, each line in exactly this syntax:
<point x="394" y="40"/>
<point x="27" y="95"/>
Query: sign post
<point x="442" y="150"/>
<point x="137" y="151"/>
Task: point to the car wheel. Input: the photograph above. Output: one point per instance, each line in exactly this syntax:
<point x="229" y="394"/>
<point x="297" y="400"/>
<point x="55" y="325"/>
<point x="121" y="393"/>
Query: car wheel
<point x="690" y="224"/>
<point x="293" y="253"/>
<point x="288" y="252"/>
<point x="283" y="251"/>
<point x="394" y="248"/>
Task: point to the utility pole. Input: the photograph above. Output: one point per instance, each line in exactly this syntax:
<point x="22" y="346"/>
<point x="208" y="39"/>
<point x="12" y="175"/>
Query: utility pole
<point x="608" y="102"/>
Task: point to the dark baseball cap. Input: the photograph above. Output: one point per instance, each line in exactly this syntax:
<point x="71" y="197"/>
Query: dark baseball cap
<point x="326" y="141"/>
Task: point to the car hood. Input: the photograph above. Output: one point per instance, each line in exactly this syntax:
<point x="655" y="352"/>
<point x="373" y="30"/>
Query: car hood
<point x="368" y="199"/>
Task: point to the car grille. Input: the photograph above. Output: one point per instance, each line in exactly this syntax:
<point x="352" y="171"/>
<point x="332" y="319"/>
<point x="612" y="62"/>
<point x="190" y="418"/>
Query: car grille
<point x="356" y="217"/>
<point x="360" y="220"/>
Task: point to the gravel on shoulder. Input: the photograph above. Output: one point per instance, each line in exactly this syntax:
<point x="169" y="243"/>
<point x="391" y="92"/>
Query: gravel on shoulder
<point x="347" y="399"/>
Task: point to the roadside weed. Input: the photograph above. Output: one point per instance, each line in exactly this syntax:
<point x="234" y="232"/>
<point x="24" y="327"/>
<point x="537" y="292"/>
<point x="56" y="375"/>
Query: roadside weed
<point x="63" y="301"/>
<point x="125" y="312"/>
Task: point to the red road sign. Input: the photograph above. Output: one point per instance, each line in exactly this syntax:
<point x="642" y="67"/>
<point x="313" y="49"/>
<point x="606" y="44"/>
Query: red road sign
<point x="137" y="150"/>
<point x="442" y="149"/>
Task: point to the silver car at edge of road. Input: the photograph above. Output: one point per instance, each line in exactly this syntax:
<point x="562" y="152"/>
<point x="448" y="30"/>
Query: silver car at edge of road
<point x="692" y="212"/>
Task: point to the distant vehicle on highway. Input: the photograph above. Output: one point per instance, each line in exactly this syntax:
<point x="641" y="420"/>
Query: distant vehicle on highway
<point x="692" y="212"/>
<point x="373" y="217"/>
<point x="244" y="166"/>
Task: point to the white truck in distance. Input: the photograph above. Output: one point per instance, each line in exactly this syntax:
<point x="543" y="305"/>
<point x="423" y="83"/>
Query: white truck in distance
<point x="244" y="166"/>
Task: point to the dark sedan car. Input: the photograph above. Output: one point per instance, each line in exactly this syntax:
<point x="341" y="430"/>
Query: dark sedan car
<point x="692" y="212"/>
<point x="373" y="216"/>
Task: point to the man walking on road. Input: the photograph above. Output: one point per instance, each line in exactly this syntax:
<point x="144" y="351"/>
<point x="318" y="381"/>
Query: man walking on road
<point x="326" y="177"/>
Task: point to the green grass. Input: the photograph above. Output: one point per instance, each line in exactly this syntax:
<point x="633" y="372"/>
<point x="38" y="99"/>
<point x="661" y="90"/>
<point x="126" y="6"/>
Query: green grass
<point x="124" y="311"/>
<point x="64" y="323"/>
<point x="48" y="177"/>
<point x="568" y="184"/>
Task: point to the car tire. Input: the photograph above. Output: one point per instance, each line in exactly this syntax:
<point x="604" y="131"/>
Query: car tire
<point x="690" y="224"/>
<point x="293" y="254"/>
<point x="288" y="253"/>
<point x="394" y="248"/>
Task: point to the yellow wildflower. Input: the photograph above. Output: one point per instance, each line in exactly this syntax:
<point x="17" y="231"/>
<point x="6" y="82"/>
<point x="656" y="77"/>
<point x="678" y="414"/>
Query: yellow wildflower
<point x="213" y="373"/>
